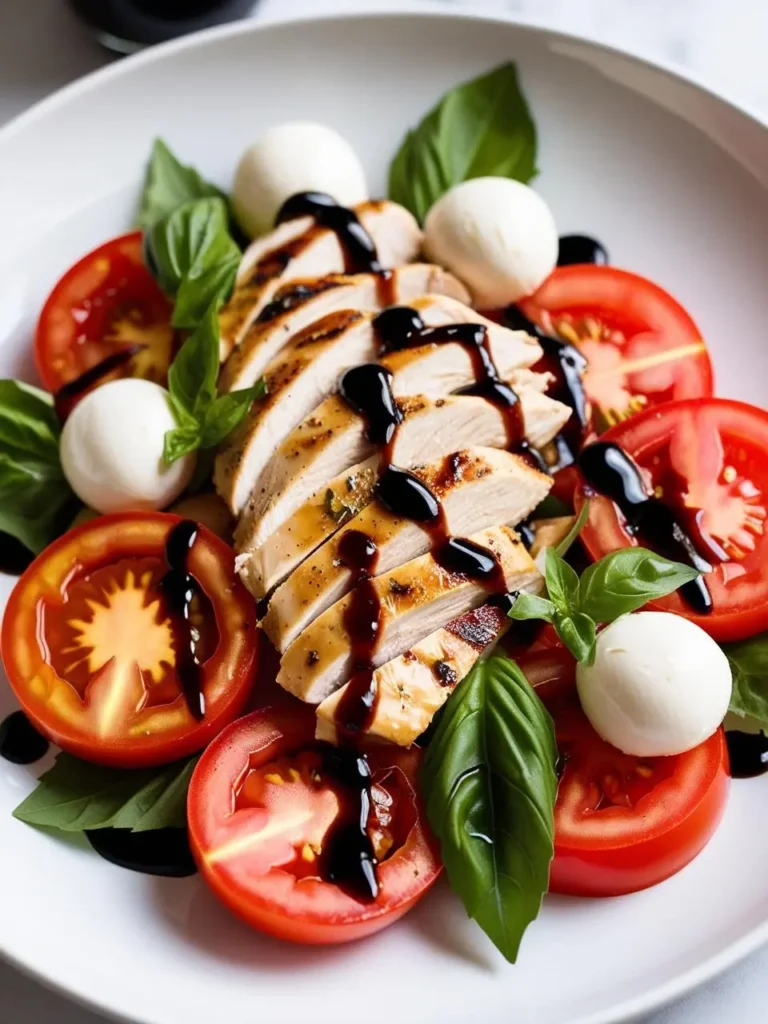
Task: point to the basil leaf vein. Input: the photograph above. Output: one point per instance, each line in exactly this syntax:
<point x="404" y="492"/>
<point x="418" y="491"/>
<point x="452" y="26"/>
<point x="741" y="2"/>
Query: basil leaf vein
<point x="490" y="785"/>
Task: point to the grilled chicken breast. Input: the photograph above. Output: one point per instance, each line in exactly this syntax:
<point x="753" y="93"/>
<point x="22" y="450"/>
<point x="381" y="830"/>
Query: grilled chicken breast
<point x="300" y="303"/>
<point x="303" y="249"/>
<point x="335" y="438"/>
<point x="432" y="369"/>
<point x="411" y="688"/>
<point x="415" y="599"/>
<point x="477" y="487"/>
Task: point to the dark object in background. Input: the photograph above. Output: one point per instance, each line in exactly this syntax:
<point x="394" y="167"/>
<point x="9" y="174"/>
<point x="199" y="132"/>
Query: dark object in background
<point x="129" y="25"/>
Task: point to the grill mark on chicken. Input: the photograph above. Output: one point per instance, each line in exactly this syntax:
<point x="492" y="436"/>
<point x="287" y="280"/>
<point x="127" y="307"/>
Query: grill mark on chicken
<point x="479" y="627"/>
<point x="294" y="294"/>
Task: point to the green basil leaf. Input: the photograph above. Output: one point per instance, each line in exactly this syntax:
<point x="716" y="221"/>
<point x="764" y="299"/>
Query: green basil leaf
<point x="227" y="412"/>
<point x="75" y="795"/>
<point x="168" y="185"/>
<point x="625" y="580"/>
<point x="180" y="442"/>
<point x="749" y="667"/>
<point x="189" y="241"/>
<point x="569" y="539"/>
<point x="489" y="784"/>
<point x="482" y="127"/>
<point x="578" y="633"/>
<point x="562" y="583"/>
<point x="551" y="508"/>
<point x="192" y="375"/>
<point x="211" y="286"/>
<point x="530" y="606"/>
<point x="34" y="494"/>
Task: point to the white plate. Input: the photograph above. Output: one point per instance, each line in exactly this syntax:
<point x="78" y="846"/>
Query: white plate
<point x="656" y="167"/>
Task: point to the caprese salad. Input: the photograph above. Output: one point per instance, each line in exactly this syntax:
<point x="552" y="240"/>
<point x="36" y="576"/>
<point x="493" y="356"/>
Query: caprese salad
<point x="361" y="538"/>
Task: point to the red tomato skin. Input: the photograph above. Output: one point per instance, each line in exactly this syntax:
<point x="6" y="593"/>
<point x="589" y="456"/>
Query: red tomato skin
<point x="601" y="533"/>
<point x="113" y="752"/>
<point x="417" y="861"/>
<point x="56" y="319"/>
<point x="620" y="870"/>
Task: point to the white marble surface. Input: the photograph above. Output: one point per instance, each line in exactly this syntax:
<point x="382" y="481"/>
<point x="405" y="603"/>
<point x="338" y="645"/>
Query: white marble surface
<point x="722" y="41"/>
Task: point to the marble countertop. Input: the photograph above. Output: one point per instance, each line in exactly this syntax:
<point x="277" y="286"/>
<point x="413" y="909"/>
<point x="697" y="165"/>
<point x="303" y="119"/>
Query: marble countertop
<point x="723" y="41"/>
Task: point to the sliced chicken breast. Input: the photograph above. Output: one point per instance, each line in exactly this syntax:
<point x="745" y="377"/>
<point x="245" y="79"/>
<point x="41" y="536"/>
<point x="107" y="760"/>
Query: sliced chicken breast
<point x="477" y="487"/>
<point x="432" y="369"/>
<point x="300" y="303"/>
<point x="301" y="249"/>
<point x="335" y="437"/>
<point x="415" y="599"/>
<point x="411" y="688"/>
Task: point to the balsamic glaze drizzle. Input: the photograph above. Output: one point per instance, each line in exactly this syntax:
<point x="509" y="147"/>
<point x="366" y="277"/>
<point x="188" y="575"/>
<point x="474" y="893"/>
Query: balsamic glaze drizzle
<point x="608" y="468"/>
<point x="368" y="390"/>
<point x="20" y="742"/>
<point x="359" y="248"/>
<point x="581" y="249"/>
<point x="747" y="753"/>
<point x="164" y="851"/>
<point x="65" y="397"/>
<point x="349" y="859"/>
<point x="179" y="588"/>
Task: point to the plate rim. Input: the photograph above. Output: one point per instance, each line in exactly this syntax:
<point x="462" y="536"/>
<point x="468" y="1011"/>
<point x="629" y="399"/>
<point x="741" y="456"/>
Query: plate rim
<point x="713" y="965"/>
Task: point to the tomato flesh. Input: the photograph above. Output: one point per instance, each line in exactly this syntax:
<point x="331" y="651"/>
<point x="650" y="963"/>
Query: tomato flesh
<point x="93" y="649"/>
<point x="624" y="823"/>
<point x="263" y="812"/>
<point x="105" y="303"/>
<point x="643" y="348"/>
<point x="707" y="459"/>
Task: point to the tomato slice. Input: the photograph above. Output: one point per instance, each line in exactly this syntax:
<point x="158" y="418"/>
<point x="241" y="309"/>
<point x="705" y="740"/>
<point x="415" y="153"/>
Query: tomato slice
<point x="268" y="816"/>
<point x="107" y="663"/>
<point x="706" y="458"/>
<point x="107" y="303"/>
<point x="622" y="823"/>
<point x="625" y="823"/>
<point x="643" y="348"/>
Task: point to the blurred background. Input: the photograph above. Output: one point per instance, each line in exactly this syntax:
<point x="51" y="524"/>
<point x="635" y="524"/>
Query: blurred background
<point x="44" y="44"/>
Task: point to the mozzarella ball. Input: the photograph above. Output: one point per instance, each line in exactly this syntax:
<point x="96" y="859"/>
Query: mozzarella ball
<point x="659" y="685"/>
<point x="295" y="157"/>
<point x="112" y="448"/>
<point x="497" y="235"/>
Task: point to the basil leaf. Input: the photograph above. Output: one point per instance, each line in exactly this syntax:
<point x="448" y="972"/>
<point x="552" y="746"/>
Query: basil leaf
<point x="624" y="581"/>
<point x="34" y="494"/>
<point x="203" y="418"/>
<point x="168" y="185"/>
<point x="180" y="442"/>
<point x="192" y="375"/>
<point x="749" y="667"/>
<point x="551" y="508"/>
<point x="578" y="633"/>
<point x="570" y="538"/>
<point x="489" y="784"/>
<point x="190" y="241"/>
<point x="562" y="582"/>
<point x="530" y="606"/>
<point x="74" y="795"/>
<point x="199" y="291"/>
<point x="482" y="127"/>
<point x="227" y="411"/>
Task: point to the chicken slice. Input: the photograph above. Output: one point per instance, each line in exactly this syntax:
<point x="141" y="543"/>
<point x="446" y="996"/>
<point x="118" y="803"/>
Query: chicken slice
<point x="415" y="599"/>
<point x="301" y="248"/>
<point x="300" y="303"/>
<point x="335" y="437"/>
<point x="477" y="487"/>
<point x="432" y="369"/>
<point x="410" y="689"/>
